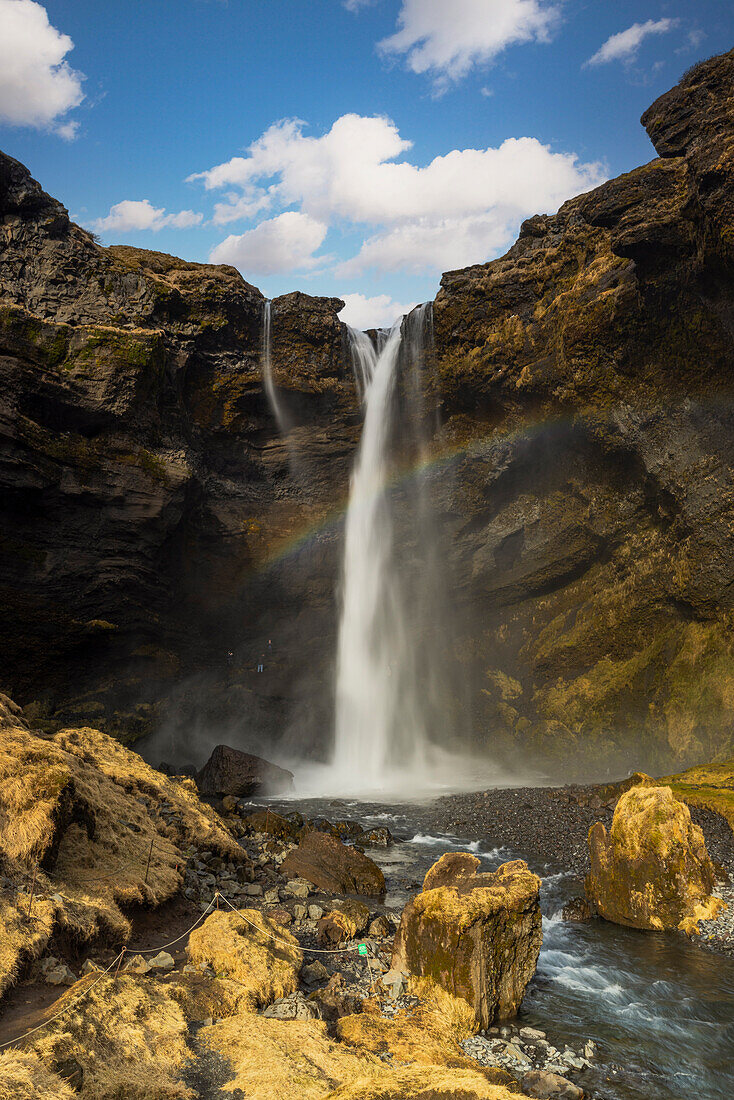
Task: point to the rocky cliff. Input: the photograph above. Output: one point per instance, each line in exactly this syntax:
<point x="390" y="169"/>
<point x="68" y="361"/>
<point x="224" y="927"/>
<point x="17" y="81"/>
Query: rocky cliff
<point x="588" y="379"/>
<point x="154" y="519"/>
<point x="146" y="492"/>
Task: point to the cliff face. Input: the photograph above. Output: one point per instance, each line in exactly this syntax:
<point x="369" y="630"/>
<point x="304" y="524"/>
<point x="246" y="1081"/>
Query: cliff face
<point x="145" y="488"/>
<point x="154" y="518"/>
<point x="588" y="379"/>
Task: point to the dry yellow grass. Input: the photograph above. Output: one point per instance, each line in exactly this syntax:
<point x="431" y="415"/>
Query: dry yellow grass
<point x="285" y="1059"/>
<point x="22" y="937"/>
<point x="81" y="811"/>
<point x="127" y="1034"/>
<point x="429" y="1035"/>
<point x="24" y="1077"/>
<point x="263" y="968"/>
<point x="426" y="1083"/>
<point x="708" y="785"/>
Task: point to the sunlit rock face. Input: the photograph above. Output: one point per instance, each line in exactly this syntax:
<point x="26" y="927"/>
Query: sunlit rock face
<point x="587" y="379"/>
<point x="478" y="936"/>
<point x="652" y="870"/>
<point x="162" y="538"/>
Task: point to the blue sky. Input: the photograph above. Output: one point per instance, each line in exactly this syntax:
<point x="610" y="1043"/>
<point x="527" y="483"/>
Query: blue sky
<point x="354" y="148"/>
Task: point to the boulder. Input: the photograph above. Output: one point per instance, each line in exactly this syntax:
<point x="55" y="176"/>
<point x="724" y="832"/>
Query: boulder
<point x="231" y="772"/>
<point x="267" y="821"/>
<point x="544" y="1085"/>
<point x="333" y="867"/>
<point x="345" y="921"/>
<point x="652" y="870"/>
<point x="477" y="936"/>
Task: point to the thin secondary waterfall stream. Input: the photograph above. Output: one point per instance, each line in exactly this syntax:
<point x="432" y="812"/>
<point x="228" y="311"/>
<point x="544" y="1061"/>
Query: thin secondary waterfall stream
<point x="381" y="727"/>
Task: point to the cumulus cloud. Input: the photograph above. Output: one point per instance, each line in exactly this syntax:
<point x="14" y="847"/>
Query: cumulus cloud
<point x="37" y="86"/>
<point x="285" y="243"/>
<point x="447" y="39"/>
<point x="458" y="209"/>
<point x="624" y="45"/>
<point x="133" y="214"/>
<point x="377" y="312"/>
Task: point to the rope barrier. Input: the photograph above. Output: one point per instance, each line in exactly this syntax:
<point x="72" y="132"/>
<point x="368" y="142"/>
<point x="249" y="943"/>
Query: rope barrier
<point x="117" y="961"/>
<point x="83" y="993"/>
<point x="278" y="939"/>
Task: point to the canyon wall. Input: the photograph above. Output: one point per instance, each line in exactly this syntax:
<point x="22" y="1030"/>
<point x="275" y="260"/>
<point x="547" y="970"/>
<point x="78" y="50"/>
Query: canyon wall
<point x="155" y="520"/>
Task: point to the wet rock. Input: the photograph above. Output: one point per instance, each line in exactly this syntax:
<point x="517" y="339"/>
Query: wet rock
<point x="652" y="870"/>
<point x="231" y="772"/>
<point x="379" y="837"/>
<point x="579" y="909"/>
<point x="334" y="867"/>
<point x="476" y="935"/>
<point x="544" y="1086"/>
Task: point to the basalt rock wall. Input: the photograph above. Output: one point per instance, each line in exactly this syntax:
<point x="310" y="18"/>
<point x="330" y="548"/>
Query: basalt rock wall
<point x="151" y="511"/>
<point x="587" y="379"/>
<point x="154" y="519"/>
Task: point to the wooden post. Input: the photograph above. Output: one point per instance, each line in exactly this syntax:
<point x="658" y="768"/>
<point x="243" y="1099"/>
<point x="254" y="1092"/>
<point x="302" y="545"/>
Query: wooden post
<point x="33" y="889"/>
<point x="147" y="866"/>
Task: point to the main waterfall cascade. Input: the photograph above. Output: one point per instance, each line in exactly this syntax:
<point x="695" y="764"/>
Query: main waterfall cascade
<point x="390" y="687"/>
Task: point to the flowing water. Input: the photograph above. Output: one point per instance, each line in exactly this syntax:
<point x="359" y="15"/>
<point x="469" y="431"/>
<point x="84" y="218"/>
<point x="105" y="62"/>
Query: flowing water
<point x="267" y="369"/>
<point x="660" y="1008"/>
<point x="391" y="683"/>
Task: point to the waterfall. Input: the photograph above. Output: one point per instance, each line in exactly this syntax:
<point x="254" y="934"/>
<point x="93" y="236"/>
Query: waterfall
<point x="382" y="699"/>
<point x="267" y="370"/>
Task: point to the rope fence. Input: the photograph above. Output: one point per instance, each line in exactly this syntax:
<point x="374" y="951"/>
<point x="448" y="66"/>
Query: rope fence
<point x="117" y="961"/>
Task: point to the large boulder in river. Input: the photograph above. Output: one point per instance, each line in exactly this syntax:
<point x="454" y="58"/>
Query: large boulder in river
<point x="333" y="866"/>
<point x="476" y="935"/>
<point x="229" y="771"/>
<point x="652" y="870"/>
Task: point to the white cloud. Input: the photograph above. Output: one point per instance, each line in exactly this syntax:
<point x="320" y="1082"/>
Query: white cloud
<point x="624" y="45"/>
<point x="134" y="214"/>
<point x="37" y="86"/>
<point x="446" y="39"/>
<point x="285" y="243"/>
<point x="378" y="312"/>
<point x="355" y="5"/>
<point x="458" y="209"/>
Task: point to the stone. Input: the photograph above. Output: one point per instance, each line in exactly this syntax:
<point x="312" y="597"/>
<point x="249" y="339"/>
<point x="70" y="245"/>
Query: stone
<point x="335" y="1000"/>
<point x="379" y="927"/>
<point x="267" y="821"/>
<point x="137" y="964"/>
<point x="294" y="1007"/>
<point x="314" y="972"/>
<point x="550" y="1086"/>
<point x="229" y="803"/>
<point x="395" y="981"/>
<point x="280" y="916"/>
<point x="476" y="935"/>
<point x="253" y="890"/>
<point x="334" y="867"/>
<point x="579" y="909"/>
<point x="315" y="912"/>
<point x="300" y="911"/>
<point x="231" y="772"/>
<point x="531" y="1034"/>
<point x="272" y="895"/>
<point x="162" y="961"/>
<point x="379" y="837"/>
<point x="298" y="889"/>
<point x="90" y="967"/>
<point x="652" y="870"/>
<point x="59" y="975"/>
